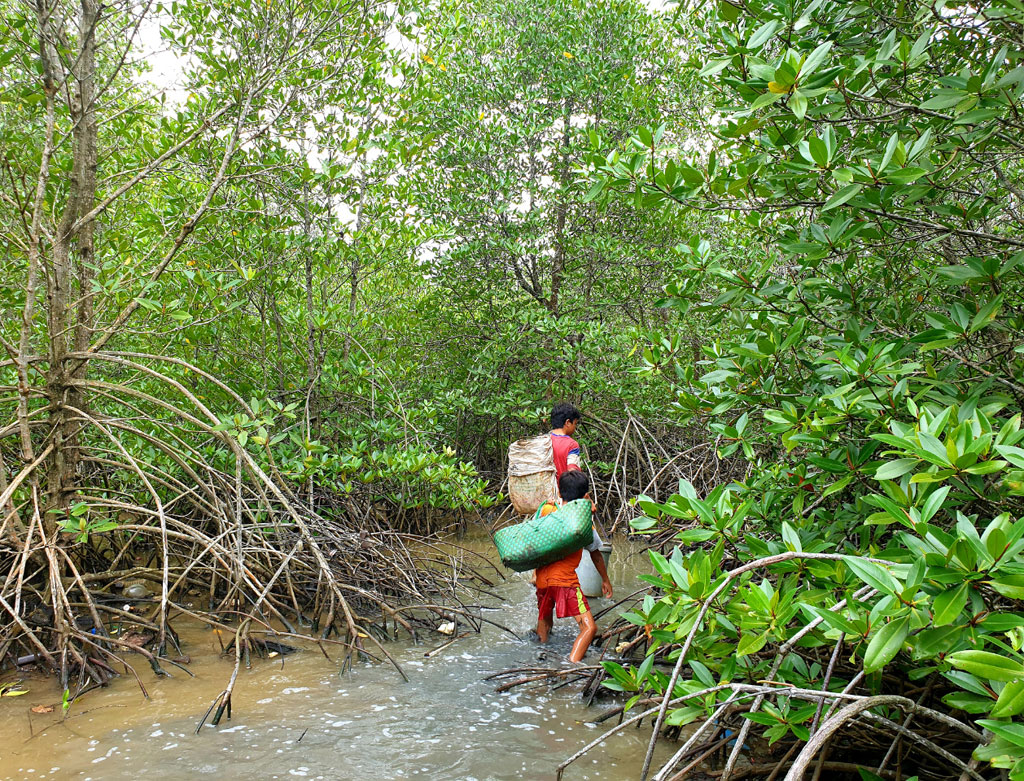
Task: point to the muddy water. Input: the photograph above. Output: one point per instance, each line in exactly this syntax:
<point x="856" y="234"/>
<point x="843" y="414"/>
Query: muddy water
<point x="297" y="717"/>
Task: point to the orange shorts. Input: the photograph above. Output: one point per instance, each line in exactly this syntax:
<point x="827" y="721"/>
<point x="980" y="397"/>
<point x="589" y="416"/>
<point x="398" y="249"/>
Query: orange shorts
<point x="566" y="601"/>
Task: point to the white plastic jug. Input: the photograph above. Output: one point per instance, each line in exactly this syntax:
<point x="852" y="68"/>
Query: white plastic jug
<point x="590" y="578"/>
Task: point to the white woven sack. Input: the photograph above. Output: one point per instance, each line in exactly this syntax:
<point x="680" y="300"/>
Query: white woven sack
<point x="531" y="474"/>
<point x="529" y="456"/>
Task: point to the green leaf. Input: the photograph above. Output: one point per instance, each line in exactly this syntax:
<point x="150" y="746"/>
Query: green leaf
<point x="890" y="149"/>
<point x="986" y="314"/>
<point x="985" y="467"/>
<point x="945" y="99"/>
<point x="842" y="196"/>
<point x="715" y="66"/>
<point x="791" y="537"/>
<point x="643" y="524"/>
<point x="835" y="620"/>
<point x="972" y="703"/>
<point x="1002" y="622"/>
<point x="594" y="191"/>
<point x="1016" y="76"/>
<point x="762" y="34"/>
<point x="785" y="76"/>
<point x="986" y="664"/>
<point x="920" y="145"/>
<point x="766" y="99"/>
<point x="798" y="105"/>
<point x="894" y="469"/>
<point x="932" y="642"/>
<point x="693" y="535"/>
<point x="1011" y="586"/>
<point x="751" y="643"/>
<point x="905" y="175"/>
<point x="1014" y="455"/>
<point x="934" y="448"/>
<point x="885" y="644"/>
<point x="700" y="672"/>
<point x="819" y="153"/>
<point x="1010" y="702"/>
<point x="683" y="716"/>
<point x="873" y="574"/>
<point x="728" y="11"/>
<point x="934" y="502"/>
<point x="837" y="486"/>
<point x="765" y="719"/>
<point x="814" y="59"/>
<point x="1011" y="732"/>
<point x="949" y="604"/>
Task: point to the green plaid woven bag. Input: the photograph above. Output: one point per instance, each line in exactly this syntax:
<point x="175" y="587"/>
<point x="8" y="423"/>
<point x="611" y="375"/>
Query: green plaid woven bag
<point x="540" y="541"/>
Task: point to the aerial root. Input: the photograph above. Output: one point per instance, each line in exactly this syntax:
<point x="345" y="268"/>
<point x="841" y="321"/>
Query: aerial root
<point x="199" y="530"/>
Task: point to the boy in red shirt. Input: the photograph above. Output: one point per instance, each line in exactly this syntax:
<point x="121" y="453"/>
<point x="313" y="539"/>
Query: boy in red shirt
<point x="558" y="587"/>
<point x="566" y="450"/>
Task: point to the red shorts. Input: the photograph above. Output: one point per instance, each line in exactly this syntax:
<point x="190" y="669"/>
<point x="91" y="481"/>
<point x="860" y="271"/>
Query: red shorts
<point x="566" y="601"/>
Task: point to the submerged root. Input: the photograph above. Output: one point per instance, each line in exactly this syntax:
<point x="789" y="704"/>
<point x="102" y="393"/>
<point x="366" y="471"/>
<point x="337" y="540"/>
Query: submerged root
<point x="548" y="677"/>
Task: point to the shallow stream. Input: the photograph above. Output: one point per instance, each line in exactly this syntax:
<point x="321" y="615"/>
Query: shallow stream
<point x="297" y="717"/>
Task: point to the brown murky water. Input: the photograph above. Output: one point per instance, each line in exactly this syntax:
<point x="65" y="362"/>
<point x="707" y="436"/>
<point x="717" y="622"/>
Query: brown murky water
<point x="297" y="717"/>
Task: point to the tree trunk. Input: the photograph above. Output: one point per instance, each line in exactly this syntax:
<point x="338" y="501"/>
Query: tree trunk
<point x="354" y="267"/>
<point x="558" y="267"/>
<point x="71" y="270"/>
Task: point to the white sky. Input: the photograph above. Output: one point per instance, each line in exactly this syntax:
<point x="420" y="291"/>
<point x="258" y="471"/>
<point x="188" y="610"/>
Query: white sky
<point x="167" y="75"/>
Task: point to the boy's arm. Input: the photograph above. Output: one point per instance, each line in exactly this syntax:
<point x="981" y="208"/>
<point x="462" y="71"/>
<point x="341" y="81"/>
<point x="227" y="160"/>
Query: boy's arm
<point x="606" y="585"/>
<point x="572" y="458"/>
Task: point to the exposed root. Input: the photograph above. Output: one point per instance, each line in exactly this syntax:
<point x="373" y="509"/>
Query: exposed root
<point x="172" y="517"/>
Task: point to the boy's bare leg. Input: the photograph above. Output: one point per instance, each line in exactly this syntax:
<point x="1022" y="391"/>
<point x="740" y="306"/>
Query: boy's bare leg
<point x="588" y="628"/>
<point x="544" y="627"/>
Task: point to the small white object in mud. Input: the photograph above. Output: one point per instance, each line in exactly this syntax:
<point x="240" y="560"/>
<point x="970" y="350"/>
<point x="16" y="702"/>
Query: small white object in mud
<point x="447" y="628"/>
<point x="136" y="591"/>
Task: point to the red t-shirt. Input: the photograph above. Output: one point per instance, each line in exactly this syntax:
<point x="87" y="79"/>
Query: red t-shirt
<point x="566" y="451"/>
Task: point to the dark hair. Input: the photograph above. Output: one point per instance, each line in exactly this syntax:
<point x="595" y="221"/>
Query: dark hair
<point x="573" y="484"/>
<point x="563" y="413"/>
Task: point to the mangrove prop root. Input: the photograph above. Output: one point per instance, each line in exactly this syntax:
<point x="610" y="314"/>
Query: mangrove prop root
<point x="184" y="534"/>
<point x="854" y="706"/>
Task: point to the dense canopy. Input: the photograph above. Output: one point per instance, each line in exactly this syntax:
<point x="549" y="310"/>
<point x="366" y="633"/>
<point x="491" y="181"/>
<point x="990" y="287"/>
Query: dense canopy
<point x="283" y="280"/>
